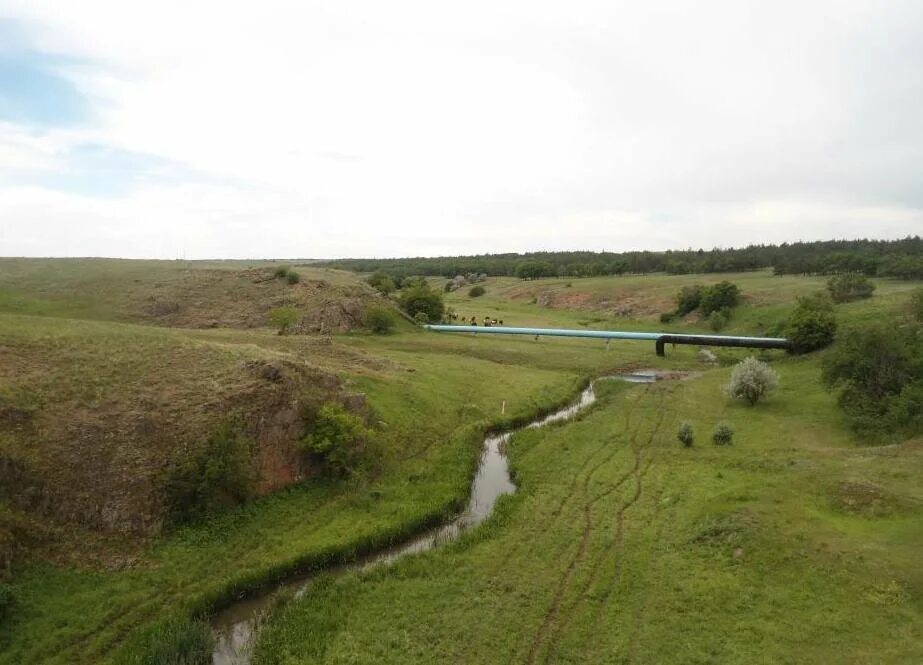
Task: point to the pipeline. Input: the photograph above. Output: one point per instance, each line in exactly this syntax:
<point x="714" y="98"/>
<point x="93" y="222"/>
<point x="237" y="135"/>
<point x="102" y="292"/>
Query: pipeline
<point x="659" y="338"/>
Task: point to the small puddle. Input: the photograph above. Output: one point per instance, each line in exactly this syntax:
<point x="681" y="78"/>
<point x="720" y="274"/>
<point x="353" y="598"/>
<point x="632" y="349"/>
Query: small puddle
<point x="235" y="626"/>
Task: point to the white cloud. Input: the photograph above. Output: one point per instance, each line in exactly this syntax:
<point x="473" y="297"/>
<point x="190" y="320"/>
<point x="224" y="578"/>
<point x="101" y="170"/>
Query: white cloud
<point x="365" y="128"/>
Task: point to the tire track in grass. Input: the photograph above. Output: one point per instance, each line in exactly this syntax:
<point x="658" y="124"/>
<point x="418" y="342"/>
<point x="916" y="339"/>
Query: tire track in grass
<point x="638" y="472"/>
<point x="568" y="574"/>
<point x="614" y="579"/>
<point x="606" y="443"/>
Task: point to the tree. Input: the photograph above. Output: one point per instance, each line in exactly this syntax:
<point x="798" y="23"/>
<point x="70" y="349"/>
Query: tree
<point x="534" y="270"/>
<point x="751" y="380"/>
<point x="423" y="299"/>
<point x="337" y="438"/>
<point x="812" y="325"/>
<point x="283" y="318"/>
<point x="719" y="296"/>
<point x="849" y="286"/>
<point x="878" y="371"/>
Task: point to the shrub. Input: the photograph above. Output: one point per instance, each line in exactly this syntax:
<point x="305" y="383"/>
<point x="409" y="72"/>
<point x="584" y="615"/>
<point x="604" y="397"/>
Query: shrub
<point x="178" y="642"/>
<point x="383" y="282"/>
<point x="292" y="277"/>
<point x="421" y="298"/>
<point x="718" y="319"/>
<point x="723" y="295"/>
<point x="667" y="317"/>
<point x="449" y="287"/>
<point x="380" y="320"/>
<point x="688" y="299"/>
<point x="283" y="318"/>
<point x="337" y="439"/>
<point x="879" y="373"/>
<point x="916" y="304"/>
<point x="849" y="286"/>
<point x="686" y="434"/>
<point x="281" y="272"/>
<point x="723" y="435"/>
<point x="812" y="325"/>
<point x="476" y="291"/>
<point x="219" y="476"/>
<point x="751" y="380"/>
<point x="421" y="318"/>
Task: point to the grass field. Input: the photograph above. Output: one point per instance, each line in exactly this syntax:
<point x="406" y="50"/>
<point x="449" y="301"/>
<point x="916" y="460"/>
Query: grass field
<point x="792" y="545"/>
<point x="621" y="546"/>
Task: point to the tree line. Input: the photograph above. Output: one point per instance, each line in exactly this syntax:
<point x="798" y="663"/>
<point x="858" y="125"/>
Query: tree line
<point x="901" y="259"/>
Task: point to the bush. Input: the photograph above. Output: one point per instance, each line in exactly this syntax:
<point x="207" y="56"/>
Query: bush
<point x="751" y="380"/>
<point x="219" y="476"/>
<point x="723" y="295"/>
<point x="812" y="325"/>
<point x="422" y="318"/>
<point x="281" y="272"/>
<point x="718" y="319"/>
<point x="688" y="299"/>
<point x="723" y="435"/>
<point x="283" y="318"/>
<point x="449" y="287"/>
<point x="686" y="434"/>
<point x="178" y="642"/>
<point x="292" y="277"/>
<point x="667" y="317"/>
<point x="849" y="286"/>
<point x="337" y="439"/>
<point x="879" y="373"/>
<point x="421" y="298"/>
<point x="380" y="320"/>
<point x="476" y="291"/>
<point x="916" y="304"/>
<point x="382" y="282"/>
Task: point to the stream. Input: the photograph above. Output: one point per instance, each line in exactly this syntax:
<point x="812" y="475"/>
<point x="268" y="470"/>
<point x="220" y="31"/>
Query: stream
<point x="235" y="626"/>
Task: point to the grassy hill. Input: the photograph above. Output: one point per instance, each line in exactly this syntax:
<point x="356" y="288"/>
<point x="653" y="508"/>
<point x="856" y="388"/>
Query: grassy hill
<point x="800" y="539"/>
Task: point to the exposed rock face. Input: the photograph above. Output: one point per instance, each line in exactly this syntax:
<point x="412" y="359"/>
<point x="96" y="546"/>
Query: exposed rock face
<point x="103" y="466"/>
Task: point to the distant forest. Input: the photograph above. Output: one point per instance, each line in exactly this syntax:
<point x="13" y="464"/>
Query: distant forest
<point x="888" y="258"/>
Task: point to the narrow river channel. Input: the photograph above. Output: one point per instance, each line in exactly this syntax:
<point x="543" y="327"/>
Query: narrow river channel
<point x="235" y="626"/>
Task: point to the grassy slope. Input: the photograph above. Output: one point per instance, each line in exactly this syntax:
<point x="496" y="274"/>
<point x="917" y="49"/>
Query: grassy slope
<point x="66" y="614"/>
<point x="622" y="546"/>
<point x="191" y="294"/>
<point x="767" y="299"/>
<point x="795" y="544"/>
<point x="432" y="419"/>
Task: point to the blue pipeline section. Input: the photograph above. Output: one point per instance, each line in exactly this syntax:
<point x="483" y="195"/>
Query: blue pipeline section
<point x="603" y="334"/>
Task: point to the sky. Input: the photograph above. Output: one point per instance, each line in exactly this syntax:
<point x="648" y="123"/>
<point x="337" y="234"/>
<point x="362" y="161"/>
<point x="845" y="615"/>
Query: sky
<point x="177" y="129"/>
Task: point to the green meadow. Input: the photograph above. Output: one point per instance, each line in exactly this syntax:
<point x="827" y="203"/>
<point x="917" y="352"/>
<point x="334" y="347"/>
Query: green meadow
<point x="799" y="542"/>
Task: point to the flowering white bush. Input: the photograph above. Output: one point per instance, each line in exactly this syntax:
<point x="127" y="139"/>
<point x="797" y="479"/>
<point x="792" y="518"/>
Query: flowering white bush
<point x="751" y="380"/>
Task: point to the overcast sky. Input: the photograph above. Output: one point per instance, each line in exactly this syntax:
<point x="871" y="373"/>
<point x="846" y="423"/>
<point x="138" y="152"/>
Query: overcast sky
<point x="323" y="129"/>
